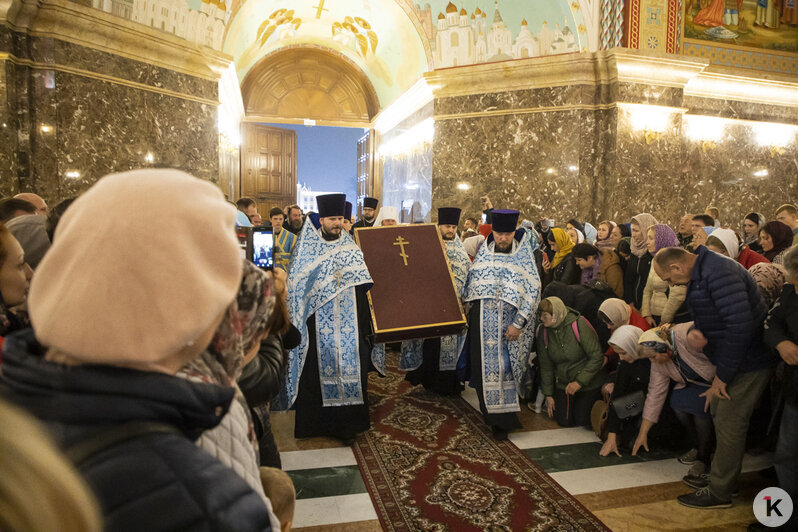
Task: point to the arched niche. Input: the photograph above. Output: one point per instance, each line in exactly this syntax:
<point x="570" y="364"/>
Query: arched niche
<point x="309" y="82"/>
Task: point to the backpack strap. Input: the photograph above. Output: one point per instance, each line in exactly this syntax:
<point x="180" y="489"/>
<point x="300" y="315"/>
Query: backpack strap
<point x="575" y="327"/>
<point x="112" y="436"/>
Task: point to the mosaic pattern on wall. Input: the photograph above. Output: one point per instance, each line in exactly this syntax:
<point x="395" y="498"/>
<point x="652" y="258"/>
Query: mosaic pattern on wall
<point x="750" y="58"/>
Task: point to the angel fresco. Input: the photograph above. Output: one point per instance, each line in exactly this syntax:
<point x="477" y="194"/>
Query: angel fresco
<point x="355" y="32"/>
<point x="281" y="23"/>
<point x="769" y="24"/>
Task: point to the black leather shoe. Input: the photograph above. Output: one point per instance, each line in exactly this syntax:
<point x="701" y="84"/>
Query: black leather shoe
<point x="703" y="499"/>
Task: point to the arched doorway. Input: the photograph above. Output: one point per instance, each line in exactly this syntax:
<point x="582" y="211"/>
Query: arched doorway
<point x="298" y="85"/>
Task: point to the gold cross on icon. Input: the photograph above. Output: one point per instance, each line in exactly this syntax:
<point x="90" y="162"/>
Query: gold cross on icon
<point x="401" y="242"/>
<point x="320" y="8"/>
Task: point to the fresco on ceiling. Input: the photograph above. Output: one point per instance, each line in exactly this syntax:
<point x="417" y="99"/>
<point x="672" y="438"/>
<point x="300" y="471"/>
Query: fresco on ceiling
<point x="200" y="22"/>
<point x="482" y="31"/>
<point x="377" y="35"/>
<point x="770" y="24"/>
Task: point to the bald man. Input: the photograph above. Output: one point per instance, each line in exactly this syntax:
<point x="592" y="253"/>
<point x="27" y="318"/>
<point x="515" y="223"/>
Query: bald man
<point x="36" y="200"/>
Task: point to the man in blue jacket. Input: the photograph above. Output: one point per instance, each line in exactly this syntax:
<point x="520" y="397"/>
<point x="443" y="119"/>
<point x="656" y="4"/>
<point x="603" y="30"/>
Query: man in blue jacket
<point x="729" y="311"/>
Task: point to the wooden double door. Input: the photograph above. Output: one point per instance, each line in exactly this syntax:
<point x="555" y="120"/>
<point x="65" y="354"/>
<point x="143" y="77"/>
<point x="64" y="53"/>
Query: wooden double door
<point x="269" y="166"/>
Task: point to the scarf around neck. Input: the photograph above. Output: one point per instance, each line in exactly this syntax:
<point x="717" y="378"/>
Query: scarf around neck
<point x="644" y="221"/>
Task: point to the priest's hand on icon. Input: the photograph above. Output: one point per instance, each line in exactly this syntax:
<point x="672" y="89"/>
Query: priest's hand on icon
<point x="513" y="333"/>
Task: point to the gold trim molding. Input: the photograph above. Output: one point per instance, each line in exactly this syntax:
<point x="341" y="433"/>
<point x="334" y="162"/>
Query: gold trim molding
<point x="105" y="78"/>
<point x="92" y="28"/>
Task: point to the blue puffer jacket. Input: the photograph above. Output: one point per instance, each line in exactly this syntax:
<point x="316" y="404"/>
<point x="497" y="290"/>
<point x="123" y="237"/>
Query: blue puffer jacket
<point x="159" y="481"/>
<point x="729" y="310"/>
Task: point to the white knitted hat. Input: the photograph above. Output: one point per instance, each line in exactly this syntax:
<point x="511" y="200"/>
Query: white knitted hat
<point x="141" y="265"/>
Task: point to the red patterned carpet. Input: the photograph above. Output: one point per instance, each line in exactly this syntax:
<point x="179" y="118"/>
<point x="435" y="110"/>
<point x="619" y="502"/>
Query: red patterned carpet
<point x="431" y="464"/>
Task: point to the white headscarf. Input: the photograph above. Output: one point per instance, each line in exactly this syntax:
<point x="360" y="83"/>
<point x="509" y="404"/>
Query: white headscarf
<point x="387" y="213"/>
<point x="729" y="240"/>
<point x="626" y="337"/>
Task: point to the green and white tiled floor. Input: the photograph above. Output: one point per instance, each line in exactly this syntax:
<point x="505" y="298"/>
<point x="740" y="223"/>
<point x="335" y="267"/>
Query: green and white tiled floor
<point x="331" y="494"/>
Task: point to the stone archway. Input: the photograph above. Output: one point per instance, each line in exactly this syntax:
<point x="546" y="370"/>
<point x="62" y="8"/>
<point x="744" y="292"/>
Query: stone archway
<point x="304" y="82"/>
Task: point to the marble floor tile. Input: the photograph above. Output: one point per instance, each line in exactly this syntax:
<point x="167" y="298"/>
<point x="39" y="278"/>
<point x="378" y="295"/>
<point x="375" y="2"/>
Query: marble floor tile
<point x="580" y="481"/>
<point x="283" y="430"/>
<point x="309" y="459"/>
<point x="552" y="437"/>
<point x="327" y="482"/>
<point x="359" y="526"/>
<point x="334" y="510"/>
<point x="586" y="455"/>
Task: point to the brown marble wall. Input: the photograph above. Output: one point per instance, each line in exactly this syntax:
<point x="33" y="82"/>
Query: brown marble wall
<point x="571" y="151"/>
<point x="74" y="114"/>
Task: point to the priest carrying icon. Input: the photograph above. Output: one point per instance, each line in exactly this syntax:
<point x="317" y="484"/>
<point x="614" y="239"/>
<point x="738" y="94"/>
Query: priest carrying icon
<point x="326" y="376"/>
<point x="504" y="289"/>
<point x="432" y="362"/>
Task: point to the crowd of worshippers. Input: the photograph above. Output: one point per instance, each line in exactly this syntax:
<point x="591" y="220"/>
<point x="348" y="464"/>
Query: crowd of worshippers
<point x="142" y="356"/>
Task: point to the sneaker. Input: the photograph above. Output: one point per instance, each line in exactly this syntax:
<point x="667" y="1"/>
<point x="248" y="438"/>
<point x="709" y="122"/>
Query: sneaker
<point x="536" y="408"/>
<point x="689" y="457"/>
<point x="697" y="477"/>
<point x="703" y="500"/>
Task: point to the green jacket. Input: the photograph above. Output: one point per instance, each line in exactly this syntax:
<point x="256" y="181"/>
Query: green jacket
<point x="566" y="360"/>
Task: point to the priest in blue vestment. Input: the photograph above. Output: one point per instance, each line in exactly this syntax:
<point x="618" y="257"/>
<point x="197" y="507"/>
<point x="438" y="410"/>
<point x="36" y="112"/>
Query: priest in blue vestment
<point x="503" y="289"/>
<point x="326" y="377"/>
<point x="432" y="362"/>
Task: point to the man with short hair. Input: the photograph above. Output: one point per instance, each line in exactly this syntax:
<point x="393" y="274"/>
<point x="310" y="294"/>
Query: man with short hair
<point x="284" y="240"/>
<point x="685" y="232"/>
<point x="369" y="213"/>
<point x="503" y="288"/>
<point x="432" y="362"/>
<point x="11" y="208"/>
<point x="326" y="377"/>
<point x="247" y="206"/>
<point x="697" y="225"/>
<point x="788" y="215"/>
<point x="36" y="200"/>
<point x="294" y="219"/>
<point x="469" y="228"/>
<point x="729" y="310"/>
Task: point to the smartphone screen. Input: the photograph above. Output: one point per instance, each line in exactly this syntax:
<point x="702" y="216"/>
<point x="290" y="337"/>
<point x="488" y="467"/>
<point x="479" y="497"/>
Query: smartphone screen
<point x="244" y="235"/>
<point x="263" y="248"/>
<point x="484" y="218"/>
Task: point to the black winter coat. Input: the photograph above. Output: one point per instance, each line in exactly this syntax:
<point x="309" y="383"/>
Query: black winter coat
<point x="727" y="307"/>
<point x="780" y="325"/>
<point x="565" y="272"/>
<point x="157" y="481"/>
<point x="635" y="276"/>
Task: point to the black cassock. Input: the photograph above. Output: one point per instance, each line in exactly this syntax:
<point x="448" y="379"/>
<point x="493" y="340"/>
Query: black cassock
<point x="341" y="422"/>
<point x="505" y="421"/>
<point x="429" y="373"/>
<point x="362" y="223"/>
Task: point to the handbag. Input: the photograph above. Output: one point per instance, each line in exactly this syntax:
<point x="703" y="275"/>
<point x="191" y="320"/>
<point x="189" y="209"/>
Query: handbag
<point x="630" y="405"/>
<point x="598" y="418"/>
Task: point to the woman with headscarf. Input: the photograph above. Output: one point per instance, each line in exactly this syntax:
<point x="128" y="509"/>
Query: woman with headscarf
<point x="570" y="363"/>
<point x="562" y="267"/>
<point x="614" y="313"/>
<point x="752" y="224"/>
<point x="776" y="239"/>
<point x="604" y="237"/>
<point x="576" y="236"/>
<point x="661" y="302"/>
<point x="725" y="242"/>
<point x="639" y="263"/>
<point x="769" y="279"/>
<point x="676" y="356"/>
<point x="631" y="377"/>
<point x="235" y="343"/>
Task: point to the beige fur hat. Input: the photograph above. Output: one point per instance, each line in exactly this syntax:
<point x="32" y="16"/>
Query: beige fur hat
<point x="141" y="265"/>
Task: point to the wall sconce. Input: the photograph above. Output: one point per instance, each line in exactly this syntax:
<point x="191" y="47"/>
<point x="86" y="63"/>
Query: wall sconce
<point x="651" y="120"/>
<point x="463" y="186"/>
<point x="706" y="130"/>
<point x="72" y="174"/>
<point x="776" y="137"/>
<point x="149" y="158"/>
<point x="45" y="128"/>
